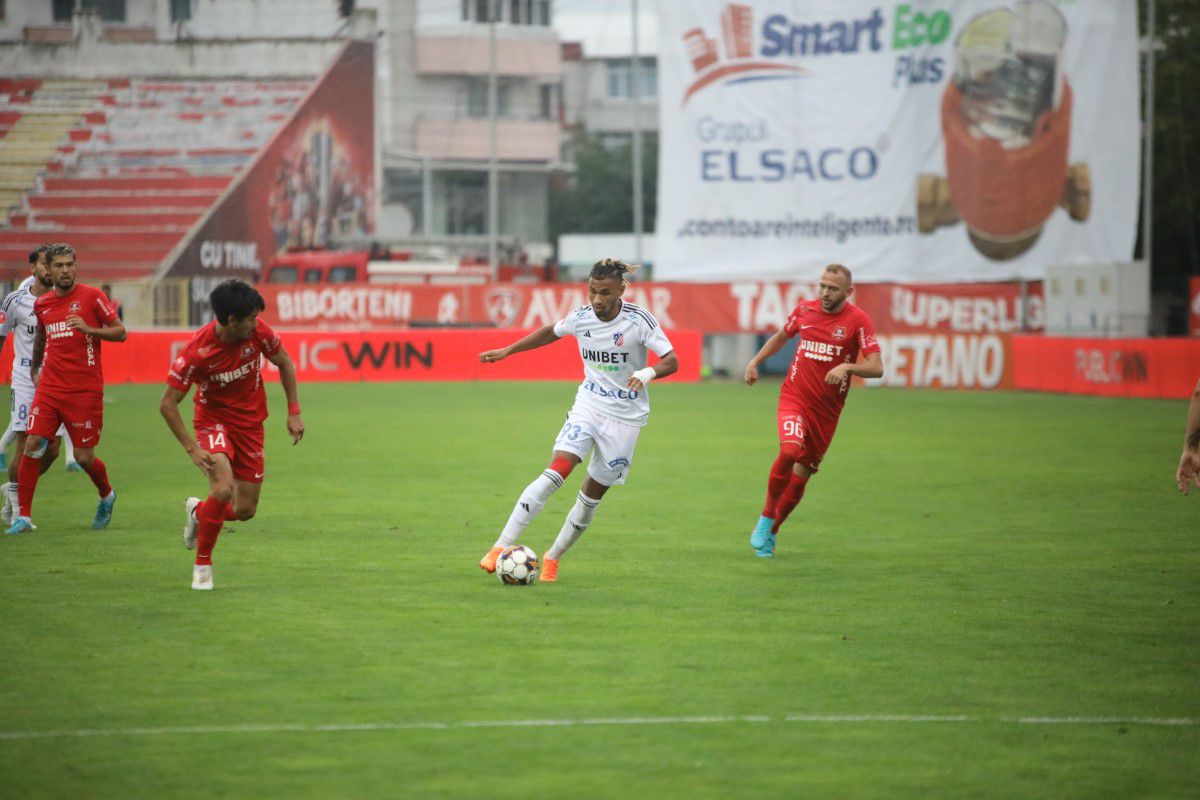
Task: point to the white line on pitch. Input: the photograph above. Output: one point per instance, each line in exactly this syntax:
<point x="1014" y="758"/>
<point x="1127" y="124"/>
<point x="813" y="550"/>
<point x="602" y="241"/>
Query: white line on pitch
<point x="569" y="723"/>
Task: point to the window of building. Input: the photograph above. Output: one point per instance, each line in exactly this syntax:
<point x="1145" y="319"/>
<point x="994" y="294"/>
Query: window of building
<point x="466" y="202"/>
<point x="541" y="12"/>
<point x="110" y="10"/>
<point x="181" y="10"/>
<point x="342" y="274"/>
<point x="548" y="101"/>
<point x="62" y="10"/>
<point x="620" y="77"/>
<point x="477" y="98"/>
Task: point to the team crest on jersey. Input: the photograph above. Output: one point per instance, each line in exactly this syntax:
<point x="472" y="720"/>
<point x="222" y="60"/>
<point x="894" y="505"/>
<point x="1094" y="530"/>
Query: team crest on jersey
<point x="839" y="333"/>
<point x="247" y="350"/>
<point x="74" y="305"/>
<point x="618" y="339"/>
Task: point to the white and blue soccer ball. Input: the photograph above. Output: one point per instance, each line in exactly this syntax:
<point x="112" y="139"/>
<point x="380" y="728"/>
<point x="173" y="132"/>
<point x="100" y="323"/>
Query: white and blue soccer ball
<point x="517" y="566"/>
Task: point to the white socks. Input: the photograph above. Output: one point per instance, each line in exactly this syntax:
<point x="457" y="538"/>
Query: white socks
<point x="532" y="501"/>
<point x="577" y="522"/>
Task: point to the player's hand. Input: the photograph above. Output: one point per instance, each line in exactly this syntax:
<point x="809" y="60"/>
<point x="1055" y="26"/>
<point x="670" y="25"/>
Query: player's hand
<point x="635" y="384"/>
<point x="76" y="322"/>
<point x="488" y="356"/>
<point x="1189" y="470"/>
<point x="837" y="374"/>
<point x="295" y="428"/>
<point x="751" y="374"/>
<point x="203" y="459"/>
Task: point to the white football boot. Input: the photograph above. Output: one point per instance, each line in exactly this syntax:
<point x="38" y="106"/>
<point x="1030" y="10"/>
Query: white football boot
<point x="202" y="577"/>
<point x="190" y="523"/>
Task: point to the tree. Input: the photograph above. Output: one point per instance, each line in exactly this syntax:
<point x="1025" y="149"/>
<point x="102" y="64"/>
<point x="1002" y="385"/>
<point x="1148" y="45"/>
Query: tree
<point x="1176" y="170"/>
<point x="598" y="197"/>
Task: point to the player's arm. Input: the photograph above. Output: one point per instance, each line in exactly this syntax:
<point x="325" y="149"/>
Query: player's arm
<point x="1189" y="461"/>
<point x="667" y="365"/>
<point x="110" y="332"/>
<point x="287" y="377"/>
<point x="39" y="349"/>
<point x="539" y="338"/>
<point x="872" y="367"/>
<point x="769" y="348"/>
<point x="169" y="408"/>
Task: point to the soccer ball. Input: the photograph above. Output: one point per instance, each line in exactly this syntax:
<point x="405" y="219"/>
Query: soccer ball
<point x="517" y="566"/>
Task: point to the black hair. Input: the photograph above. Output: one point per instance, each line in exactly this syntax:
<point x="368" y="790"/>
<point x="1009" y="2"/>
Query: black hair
<point x="35" y="255"/>
<point x="234" y="298"/>
<point x="612" y="268"/>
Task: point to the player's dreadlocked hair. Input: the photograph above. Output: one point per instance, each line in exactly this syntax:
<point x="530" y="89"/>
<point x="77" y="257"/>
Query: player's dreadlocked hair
<point x="613" y="268"/>
<point x="61" y="249"/>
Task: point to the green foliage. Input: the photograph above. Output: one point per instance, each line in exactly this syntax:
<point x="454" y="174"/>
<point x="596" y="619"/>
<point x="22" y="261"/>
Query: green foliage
<point x="996" y="556"/>
<point x="598" y="197"/>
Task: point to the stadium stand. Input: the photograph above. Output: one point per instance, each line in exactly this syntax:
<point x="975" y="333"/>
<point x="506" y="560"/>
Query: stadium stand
<point x="123" y="169"/>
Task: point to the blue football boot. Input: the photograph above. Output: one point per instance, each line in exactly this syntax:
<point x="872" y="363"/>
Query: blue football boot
<point x="21" y="525"/>
<point x="762" y="534"/>
<point x="104" y="512"/>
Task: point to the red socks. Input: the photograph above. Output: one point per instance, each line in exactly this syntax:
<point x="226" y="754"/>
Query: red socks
<point x="210" y="516"/>
<point x="781" y="473"/>
<point x="28" y="471"/>
<point x="99" y="475"/>
<point x="789" y="500"/>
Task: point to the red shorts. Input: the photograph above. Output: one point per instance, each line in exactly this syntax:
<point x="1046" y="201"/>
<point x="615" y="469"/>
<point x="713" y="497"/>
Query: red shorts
<point x="799" y="425"/>
<point x="83" y="414"/>
<point x="243" y="447"/>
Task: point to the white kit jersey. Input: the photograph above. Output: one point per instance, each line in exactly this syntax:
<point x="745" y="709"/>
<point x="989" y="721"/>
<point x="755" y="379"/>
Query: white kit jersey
<point x="16" y="318"/>
<point x="611" y="352"/>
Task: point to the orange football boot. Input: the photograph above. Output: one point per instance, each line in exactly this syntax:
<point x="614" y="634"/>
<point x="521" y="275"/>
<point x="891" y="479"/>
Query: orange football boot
<point x="549" y="569"/>
<point x="488" y="562"/>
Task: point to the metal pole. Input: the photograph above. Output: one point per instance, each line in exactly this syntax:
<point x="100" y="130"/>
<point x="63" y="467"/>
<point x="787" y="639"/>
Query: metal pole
<point x="1148" y="136"/>
<point x="493" y="189"/>
<point x="636" y="97"/>
<point x="427" y="196"/>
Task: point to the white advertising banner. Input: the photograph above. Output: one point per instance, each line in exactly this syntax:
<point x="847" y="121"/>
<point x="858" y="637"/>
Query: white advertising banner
<point x="964" y="140"/>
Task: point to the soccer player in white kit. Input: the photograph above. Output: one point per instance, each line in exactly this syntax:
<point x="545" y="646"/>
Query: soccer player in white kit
<point x="16" y="318"/>
<point x="611" y="406"/>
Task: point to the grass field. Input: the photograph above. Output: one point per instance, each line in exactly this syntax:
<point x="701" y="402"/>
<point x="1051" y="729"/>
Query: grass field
<point x="964" y="563"/>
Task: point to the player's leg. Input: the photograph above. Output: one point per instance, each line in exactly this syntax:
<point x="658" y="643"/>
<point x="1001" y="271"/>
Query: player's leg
<point x="570" y="446"/>
<point x="9" y="436"/>
<point x="17" y="420"/>
<point x="43" y="420"/>
<point x="245" y="500"/>
<point x="84" y="420"/>
<point x="790" y="421"/>
<point x="73" y="464"/>
<point x="611" y="460"/>
<point x="792" y="495"/>
<point x="211" y="515"/>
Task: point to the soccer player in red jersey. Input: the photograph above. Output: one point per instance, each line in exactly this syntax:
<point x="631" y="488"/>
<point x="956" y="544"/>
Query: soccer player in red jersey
<point x="224" y="361"/>
<point x="72" y="320"/>
<point x="833" y="334"/>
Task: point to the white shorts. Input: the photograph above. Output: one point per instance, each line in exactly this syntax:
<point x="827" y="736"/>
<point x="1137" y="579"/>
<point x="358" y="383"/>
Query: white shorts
<point x="22" y="401"/>
<point x="611" y="442"/>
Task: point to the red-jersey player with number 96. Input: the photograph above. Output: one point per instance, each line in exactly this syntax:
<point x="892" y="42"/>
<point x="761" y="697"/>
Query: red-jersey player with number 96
<point x="833" y="334"/>
<point x="68" y="378"/>
<point x="224" y="361"/>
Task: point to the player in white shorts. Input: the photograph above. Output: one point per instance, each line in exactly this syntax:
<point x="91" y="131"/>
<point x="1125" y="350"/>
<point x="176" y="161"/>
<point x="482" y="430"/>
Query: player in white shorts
<point x="611" y="406"/>
<point x="16" y="318"/>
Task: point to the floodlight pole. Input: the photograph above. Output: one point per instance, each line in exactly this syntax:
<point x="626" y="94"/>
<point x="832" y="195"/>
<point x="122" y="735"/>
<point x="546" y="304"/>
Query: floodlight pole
<point x="636" y="98"/>
<point x="493" y="188"/>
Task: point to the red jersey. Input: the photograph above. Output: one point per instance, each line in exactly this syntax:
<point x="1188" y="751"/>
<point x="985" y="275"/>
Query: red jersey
<point x="826" y="340"/>
<point x="228" y="377"/>
<point x="71" y="360"/>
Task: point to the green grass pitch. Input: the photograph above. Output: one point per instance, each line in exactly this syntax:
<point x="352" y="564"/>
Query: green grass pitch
<point x="963" y="563"/>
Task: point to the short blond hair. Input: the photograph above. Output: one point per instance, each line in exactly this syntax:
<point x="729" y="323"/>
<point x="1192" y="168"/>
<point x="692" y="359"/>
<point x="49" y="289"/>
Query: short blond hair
<point x="840" y="269"/>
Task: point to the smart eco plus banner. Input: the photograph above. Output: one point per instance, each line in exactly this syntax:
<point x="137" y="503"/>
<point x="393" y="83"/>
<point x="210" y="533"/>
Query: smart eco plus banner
<point x="963" y="140"/>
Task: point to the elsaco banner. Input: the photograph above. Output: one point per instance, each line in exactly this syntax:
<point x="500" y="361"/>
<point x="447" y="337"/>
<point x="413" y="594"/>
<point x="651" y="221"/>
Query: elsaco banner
<point x="922" y="141"/>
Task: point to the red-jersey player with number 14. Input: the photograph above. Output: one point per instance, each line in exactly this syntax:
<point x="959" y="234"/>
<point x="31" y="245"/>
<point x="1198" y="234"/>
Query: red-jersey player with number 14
<point x="72" y="320"/>
<point x="224" y="361"/>
<point x="833" y="334"/>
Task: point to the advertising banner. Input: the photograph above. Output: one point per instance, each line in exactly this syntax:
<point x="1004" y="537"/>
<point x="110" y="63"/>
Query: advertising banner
<point x="314" y="180"/>
<point x="1108" y="367"/>
<point x="940" y="141"/>
<point x="384" y="356"/>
